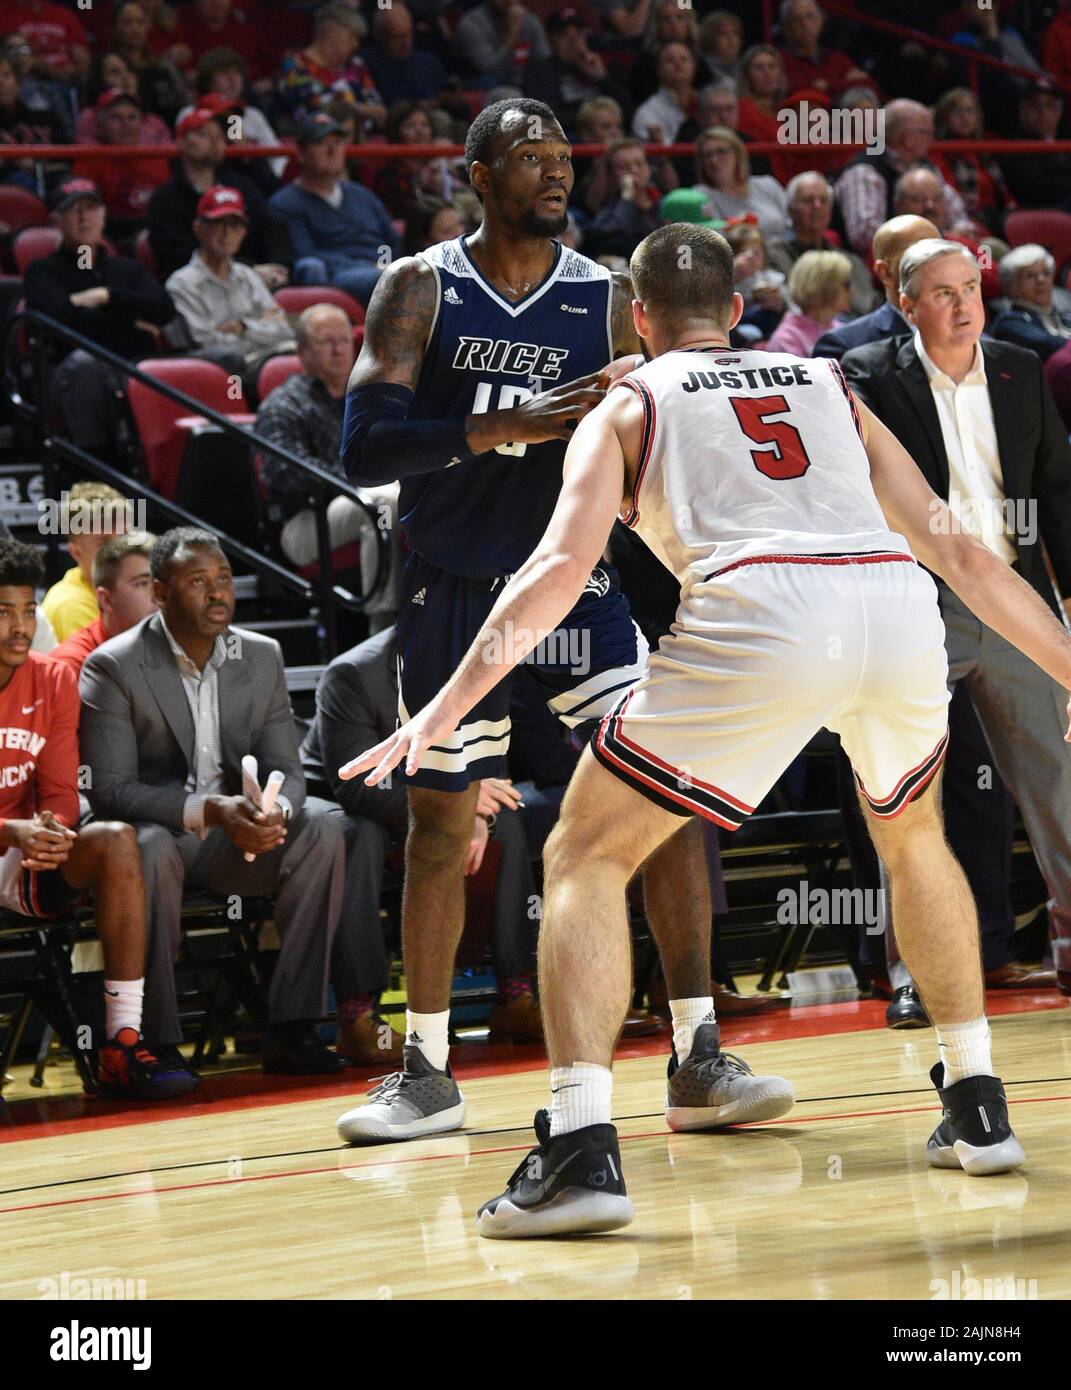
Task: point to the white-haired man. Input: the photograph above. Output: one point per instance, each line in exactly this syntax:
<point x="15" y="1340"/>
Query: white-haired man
<point x="1031" y="319"/>
<point x="810" y="206"/>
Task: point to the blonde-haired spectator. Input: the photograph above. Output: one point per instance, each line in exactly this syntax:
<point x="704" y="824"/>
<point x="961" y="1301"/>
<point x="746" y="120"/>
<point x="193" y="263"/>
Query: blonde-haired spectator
<point x="820" y="286"/>
<point x="90" y="513"/>
<point x="723" y="175"/>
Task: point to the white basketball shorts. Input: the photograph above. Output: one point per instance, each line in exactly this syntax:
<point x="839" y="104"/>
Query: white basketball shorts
<point x="764" y="654"/>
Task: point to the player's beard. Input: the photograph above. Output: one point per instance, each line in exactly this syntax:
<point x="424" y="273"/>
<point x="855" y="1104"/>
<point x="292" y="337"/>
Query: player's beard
<point x="537" y="223"/>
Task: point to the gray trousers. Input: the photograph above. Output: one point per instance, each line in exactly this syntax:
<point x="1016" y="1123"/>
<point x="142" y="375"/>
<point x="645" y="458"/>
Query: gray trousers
<point x="306" y="872"/>
<point x="1023" y="713"/>
<point x="359" y="961"/>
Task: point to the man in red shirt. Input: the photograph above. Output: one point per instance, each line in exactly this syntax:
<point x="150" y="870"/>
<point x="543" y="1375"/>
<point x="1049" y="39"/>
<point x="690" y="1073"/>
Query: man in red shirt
<point x="123" y="581"/>
<point x="125" y="184"/>
<point x="60" y="46"/>
<point x="808" y="66"/>
<point x="210" y="24"/>
<point x="46" y="864"/>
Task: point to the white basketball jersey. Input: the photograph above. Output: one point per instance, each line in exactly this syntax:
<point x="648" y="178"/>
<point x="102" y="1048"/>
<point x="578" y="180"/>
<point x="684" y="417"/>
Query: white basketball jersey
<point x="747" y="454"/>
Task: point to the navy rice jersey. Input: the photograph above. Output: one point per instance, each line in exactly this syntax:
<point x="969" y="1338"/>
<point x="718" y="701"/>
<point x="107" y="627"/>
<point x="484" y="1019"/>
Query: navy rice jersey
<point x="484" y="517"/>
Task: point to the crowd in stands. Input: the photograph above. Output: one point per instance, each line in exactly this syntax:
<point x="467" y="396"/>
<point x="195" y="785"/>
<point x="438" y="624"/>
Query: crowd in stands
<point x="160" y="255"/>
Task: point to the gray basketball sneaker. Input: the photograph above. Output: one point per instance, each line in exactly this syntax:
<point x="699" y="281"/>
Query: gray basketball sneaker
<point x="414" y="1101"/>
<point x="711" y="1088"/>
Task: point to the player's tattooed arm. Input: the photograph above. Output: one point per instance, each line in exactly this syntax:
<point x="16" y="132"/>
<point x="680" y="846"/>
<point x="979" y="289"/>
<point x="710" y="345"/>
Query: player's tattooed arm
<point x="399" y="320"/>
<point x="622" y="328"/>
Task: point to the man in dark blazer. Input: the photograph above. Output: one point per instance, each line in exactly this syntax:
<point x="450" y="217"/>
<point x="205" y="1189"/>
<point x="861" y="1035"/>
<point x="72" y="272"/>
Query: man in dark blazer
<point x="890" y="242"/>
<point x="169" y="709"/>
<point x="980" y="422"/>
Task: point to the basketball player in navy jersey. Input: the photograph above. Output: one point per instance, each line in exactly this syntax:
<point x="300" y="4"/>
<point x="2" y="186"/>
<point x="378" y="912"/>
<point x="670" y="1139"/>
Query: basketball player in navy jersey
<point x="480" y="356"/>
<point x="789" y="513"/>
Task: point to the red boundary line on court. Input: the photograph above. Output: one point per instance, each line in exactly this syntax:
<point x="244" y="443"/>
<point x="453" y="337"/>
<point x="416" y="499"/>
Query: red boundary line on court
<point x="33" y="1118"/>
<point x="470" y="1154"/>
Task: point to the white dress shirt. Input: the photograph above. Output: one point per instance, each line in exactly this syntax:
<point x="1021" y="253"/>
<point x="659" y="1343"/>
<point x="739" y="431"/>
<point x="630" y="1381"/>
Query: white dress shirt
<point x="975" y="481"/>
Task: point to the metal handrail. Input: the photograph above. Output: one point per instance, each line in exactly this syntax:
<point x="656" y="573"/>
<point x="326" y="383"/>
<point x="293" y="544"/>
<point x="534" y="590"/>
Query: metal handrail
<point x="322" y="483"/>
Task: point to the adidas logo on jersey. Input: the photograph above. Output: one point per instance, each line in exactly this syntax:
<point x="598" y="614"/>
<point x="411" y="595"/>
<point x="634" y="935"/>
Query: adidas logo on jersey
<point x="573" y="309"/>
<point x="451" y="296"/>
<point x="418" y="597"/>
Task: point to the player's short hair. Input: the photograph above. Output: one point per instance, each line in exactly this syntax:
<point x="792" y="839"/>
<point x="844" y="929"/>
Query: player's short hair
<point x="110" y="556"/>
<point x="486" y="132"/>
<point x="21" y="565"/>
<point x="816" y="277"/>
<point x="172" y="542"/>
<point x="684" y="271"/>
<point x="921" y="254"/>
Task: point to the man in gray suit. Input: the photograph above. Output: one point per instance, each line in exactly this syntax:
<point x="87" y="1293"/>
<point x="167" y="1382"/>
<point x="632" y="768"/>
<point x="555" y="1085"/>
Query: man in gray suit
<point x="169" y="708"/>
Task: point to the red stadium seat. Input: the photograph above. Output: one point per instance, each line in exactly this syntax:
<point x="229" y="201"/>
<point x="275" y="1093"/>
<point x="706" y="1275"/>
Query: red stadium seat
<point x="143" y="252"/>
<point x="32" y="243"/>
<point x="1047" y="227"/>
<point x="275" y="371"/>
<point x="20" y="208"/>
<point x="296" y="298"/>
<point x="163" y="424"/>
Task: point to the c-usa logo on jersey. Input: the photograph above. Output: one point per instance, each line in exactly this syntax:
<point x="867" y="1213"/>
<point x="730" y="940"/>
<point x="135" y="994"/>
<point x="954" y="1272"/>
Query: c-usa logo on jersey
<point x="598" y="584"/>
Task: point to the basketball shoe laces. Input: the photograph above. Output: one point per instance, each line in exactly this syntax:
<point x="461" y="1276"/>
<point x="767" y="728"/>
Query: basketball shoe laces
<point x="387" y="1087"/>
<point x="715" y="1067"/>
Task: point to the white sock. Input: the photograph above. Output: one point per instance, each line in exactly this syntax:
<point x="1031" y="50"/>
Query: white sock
<point x="580" y="1096"/>
<point x="964" y="1050"/>
<point x="686" y="1014"/>
<point x="122" y="1005"/>
<point x="431" y="1033"/>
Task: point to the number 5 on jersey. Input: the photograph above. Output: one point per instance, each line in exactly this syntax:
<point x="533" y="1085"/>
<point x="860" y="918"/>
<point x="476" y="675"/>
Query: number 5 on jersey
<point x="508" y="397"/>
<point x="785" y="455"/>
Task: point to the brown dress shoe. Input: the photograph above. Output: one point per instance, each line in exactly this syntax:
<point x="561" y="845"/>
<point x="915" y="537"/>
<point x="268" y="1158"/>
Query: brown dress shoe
<point x="640" y="1022"/>
<point x="517" y="1021"/>
<point x="1013" y="976"/>
<point x="368" y="1042"/>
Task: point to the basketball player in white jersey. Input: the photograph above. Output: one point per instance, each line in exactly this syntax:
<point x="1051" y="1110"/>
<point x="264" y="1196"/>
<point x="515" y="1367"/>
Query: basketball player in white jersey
<point x="793" y="520"/>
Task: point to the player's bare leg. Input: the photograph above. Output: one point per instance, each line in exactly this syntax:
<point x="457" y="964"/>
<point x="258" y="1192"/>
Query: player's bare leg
<point x="424" y="1098"/>
<point x="937" y="933"/>
<point x="676" y="896"/>
<point x="572" y="1181"/>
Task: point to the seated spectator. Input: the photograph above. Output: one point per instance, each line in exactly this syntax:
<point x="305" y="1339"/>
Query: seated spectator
<point x="50" y="100"/>
<point x="761" y="288"/>
<point x="719" y="104"/>
<point x="399" y="182"/>
<point x="160" y="84"/>
<point x="810" y="208"/>
<point x="631" y="209"/>
<point x="220" y="80"/>
<point x="975" y="175"/>
<point x="328" y="67"/>
<point x="668" y="22"/>
<point x="983" y="31"/>
<point x="891" y="240"/>
<point x="820" y="285"/>
<point x="207" y="24"/>
<point x="1056" y="45"/>
<point x="22" y="125"/>
<point x="112" y="300"/>
<point x="921" y="193"/>
<point x="430" y="221"/>
<point x="658" y="119"/>
<point x="400" y="70"/>
<point x="110" y="71"/>
<point x="342" y="233"/>
<point x="574" y="73"/>
<point x="356" y="706"/>
<point x="763" y="89"/>
<point x="304" y="416"/>
<point x="498" y="39"/>
<point x="600" y="122"/>
<point x="123" y="584"/>
<point x="227" y="309"/>
<point x="723" y="175"/>
<point x="125" y="184"/>
<point x="200" y="166"/>
<point x="808" y="66"/>
<point x="1031" y="319"/>
<point x="91" y="514"/>
<point x="169" y="708"/>
<point x="721" y="42"/>
<point x="624" y="19"/>
<point x="47" y="864"/>
<point x="54" y="33"/>
<point x="1039" y="182"/>
<point x="864" y="191"/>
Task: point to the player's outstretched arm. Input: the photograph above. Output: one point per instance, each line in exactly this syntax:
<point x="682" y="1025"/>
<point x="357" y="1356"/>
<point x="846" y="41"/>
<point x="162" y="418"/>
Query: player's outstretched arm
<point x="992" y="590"/>
<point x="534" y="601"/>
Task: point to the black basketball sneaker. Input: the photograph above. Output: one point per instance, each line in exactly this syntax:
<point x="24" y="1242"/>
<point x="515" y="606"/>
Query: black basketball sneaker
<point x="974" y="1133"/>
<point x="571" y="1183"/>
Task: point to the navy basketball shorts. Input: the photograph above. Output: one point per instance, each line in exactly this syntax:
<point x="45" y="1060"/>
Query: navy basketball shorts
<point x="583" y="667"/>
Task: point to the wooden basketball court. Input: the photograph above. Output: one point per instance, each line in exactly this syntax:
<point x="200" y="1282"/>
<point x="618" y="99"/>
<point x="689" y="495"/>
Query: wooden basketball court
<point x="243" y="1190"/>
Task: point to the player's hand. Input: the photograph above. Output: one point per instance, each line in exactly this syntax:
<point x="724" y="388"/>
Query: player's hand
<point x="477" y="846"/>
<point x="44" y="841"/>
<point x="434" y="724"/>
<point x="555" y="414"/>
<point x="621" y="366"/>
<point x="497" y="794"/>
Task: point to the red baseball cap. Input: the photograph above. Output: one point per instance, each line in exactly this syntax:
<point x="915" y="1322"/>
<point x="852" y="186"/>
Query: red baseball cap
<point x="195" y="119"/>
<point x="111" y="95"/>
<point x="221" y="202"/>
